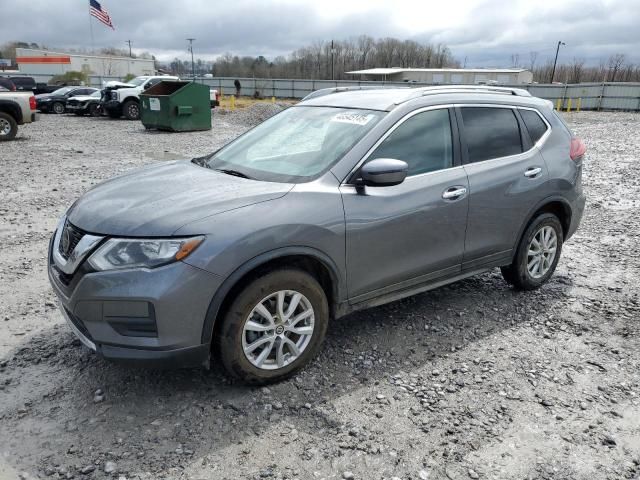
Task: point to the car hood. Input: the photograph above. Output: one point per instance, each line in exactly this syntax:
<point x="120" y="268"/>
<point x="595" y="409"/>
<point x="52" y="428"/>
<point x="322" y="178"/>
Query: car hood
<point x="158" y="200"/>
<point x="40" y="96"/>
<point x="114" y="84"/>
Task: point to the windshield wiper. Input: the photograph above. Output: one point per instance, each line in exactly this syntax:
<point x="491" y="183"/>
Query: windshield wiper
<point x="235" y="173"/>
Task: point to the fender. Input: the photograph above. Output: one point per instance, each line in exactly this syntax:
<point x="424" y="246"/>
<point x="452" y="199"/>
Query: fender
<point x="538" y="206"/>
<point x="11" y="107"/>
<point x="233" y="278"/>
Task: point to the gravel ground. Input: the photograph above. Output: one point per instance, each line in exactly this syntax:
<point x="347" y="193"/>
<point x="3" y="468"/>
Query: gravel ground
<point x="472" y="380"/>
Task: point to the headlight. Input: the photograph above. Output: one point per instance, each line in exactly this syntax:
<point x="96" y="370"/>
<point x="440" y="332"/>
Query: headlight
<point x="119" y="253"/>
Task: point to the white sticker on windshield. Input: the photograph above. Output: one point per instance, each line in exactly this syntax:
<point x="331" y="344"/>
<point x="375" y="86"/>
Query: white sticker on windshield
<point x="353" y="118"/>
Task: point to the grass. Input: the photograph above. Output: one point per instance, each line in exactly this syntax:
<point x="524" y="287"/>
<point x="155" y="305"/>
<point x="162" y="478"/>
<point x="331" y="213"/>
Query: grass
<point x="243" y="102"/>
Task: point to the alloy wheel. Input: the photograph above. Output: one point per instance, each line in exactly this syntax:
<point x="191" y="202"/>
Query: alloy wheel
<point x="278" y="330"/>
<point x="542" y="252"/>
<point x="5" y="127"/>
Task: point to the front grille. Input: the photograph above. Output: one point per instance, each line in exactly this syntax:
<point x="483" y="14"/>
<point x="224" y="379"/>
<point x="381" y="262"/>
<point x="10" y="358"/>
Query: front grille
<point x="70" y="237"/>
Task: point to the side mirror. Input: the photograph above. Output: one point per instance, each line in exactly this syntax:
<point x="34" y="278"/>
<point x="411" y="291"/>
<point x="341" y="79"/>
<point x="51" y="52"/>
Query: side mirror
<point x="383" y="172"/>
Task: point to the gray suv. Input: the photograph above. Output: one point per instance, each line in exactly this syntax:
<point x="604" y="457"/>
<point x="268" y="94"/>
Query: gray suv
<point x="350" y="199"/>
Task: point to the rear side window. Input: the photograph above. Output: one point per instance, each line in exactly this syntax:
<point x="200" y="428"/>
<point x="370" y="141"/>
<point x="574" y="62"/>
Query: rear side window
<point x="423" y="141"/>
<point x="535" y="125"/>
<point x="491" y="133"/>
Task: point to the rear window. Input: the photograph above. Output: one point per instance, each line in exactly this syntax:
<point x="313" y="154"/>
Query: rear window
<point x="535" y="125"/>
<point x="23" y="82"/>
<point x="490" y="133"/>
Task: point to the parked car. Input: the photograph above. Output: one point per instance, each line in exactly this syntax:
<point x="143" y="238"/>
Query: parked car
<point x="85" y="104"/>
<point x="56" y="102"/>
<point x="16" y="108"/>
<point x="347" y="200"/>
<point x="123" y="99"/>
<point x="7" y="84"/>
<point x="24" y="84"/>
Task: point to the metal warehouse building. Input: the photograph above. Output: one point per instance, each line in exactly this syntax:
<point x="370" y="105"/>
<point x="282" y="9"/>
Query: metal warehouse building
<point x="471" y="76"/>
<point x="46" y="62"/>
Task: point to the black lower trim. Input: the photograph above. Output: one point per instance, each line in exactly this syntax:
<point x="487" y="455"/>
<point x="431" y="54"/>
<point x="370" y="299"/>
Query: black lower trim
<point x="177" y="358"/>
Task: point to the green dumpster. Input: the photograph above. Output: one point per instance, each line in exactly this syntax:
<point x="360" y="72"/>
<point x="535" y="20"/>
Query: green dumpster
<point x="176" y="106"/>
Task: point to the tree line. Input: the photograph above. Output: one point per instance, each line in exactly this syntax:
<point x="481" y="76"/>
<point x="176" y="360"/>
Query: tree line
<point x="325" y="60"/>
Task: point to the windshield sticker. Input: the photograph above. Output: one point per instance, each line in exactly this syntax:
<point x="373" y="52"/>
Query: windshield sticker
<point x="352" y="118"/>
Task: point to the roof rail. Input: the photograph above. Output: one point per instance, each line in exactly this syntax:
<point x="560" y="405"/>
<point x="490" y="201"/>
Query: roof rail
<point x="520" y="92"/>
<point x="328" y="91"/>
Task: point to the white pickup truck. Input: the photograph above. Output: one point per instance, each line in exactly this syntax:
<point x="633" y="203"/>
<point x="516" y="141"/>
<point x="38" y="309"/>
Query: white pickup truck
<point x="123" y="99"/>
<point x="16" y="108"/>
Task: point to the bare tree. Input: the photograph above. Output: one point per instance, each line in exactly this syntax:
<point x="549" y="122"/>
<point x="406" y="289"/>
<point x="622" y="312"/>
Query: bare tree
<point x="515" y="60"/>
<point x="533" y="56"/>
<point x="615" y="62"/>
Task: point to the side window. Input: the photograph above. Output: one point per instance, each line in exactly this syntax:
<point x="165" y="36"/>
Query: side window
<point x="423" y="141"/>
<point x="535" y="125"/>
<point x="491" y="132"/>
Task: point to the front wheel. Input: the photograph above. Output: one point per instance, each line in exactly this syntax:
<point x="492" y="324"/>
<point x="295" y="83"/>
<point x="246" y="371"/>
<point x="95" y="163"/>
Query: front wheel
<point x="537" y="255"/>
<point x="131" y="110"/>
<point x="274" y="327"/>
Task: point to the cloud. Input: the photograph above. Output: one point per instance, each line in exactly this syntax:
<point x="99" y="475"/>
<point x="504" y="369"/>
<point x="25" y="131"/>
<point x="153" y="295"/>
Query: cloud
<point x="487" y="32"/>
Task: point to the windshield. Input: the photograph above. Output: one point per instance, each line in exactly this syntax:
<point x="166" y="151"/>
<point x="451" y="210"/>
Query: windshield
<point x="62" y="91"/>
<point x="97" y="94"/>
<point x="295" y="145"/>
<point x="137" y="81"/>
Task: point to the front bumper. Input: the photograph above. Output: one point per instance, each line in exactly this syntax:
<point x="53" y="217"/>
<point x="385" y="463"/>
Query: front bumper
<point x="112" y="106"/>
<point x="149" y="316"/>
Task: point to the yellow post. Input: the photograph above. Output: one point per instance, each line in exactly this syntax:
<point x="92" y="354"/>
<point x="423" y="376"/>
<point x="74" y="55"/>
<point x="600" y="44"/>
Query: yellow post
<point x="558" y="105"/>
<point x="579" y="104"/>
<point x="273" y="99"/>
<point x="568" y="105"/>
<point x="233" y="102"/>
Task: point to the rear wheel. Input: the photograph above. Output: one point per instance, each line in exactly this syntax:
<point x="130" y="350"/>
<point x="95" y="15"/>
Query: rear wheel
<point x="274" y="327"/>
<point x="131" y="110"/>
<point x="58" y="107"/>
<point x="537" y="255"/>
<point x="8" y="126"/>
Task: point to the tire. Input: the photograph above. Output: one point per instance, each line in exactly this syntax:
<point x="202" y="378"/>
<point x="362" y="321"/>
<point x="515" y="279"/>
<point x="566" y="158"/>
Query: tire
<point x="131" y="110"/>
<point x="57" y="108"/>
<point x="8" y="127"/>
<point x="531" y="270"/>
<point x="231" y="339"/>
<point x="94" y="110"/>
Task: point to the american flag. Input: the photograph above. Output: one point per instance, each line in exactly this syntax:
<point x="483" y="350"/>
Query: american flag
<point x="96" y="10"/>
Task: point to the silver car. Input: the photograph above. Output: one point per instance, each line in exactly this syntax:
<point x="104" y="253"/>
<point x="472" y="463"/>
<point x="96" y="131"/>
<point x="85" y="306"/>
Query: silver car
<point x="350" y="199"/>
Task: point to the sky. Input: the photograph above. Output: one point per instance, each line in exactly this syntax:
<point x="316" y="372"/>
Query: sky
<point x="482" y="32"/>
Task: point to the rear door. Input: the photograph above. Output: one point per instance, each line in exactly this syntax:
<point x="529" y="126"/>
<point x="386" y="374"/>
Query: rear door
<point x="507" y="177"/>
<point x="403" y="235"/>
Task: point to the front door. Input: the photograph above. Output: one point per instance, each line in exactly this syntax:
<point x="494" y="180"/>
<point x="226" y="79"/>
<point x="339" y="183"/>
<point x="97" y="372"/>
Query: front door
<point x="400" y="236"/>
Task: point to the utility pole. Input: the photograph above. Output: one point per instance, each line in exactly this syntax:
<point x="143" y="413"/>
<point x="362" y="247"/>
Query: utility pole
<point x="332" y="52"/>
<point x="553" y="72"/>
<point x="129" y="42"/>
<point x="193" y="65"/>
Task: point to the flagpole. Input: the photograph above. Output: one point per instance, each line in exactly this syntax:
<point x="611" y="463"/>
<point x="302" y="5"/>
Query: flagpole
<point x="93" y="48"/>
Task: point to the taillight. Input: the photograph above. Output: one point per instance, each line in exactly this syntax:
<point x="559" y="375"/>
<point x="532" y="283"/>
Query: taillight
<point x="577" y="149"/>
<point x="32" y="102"/>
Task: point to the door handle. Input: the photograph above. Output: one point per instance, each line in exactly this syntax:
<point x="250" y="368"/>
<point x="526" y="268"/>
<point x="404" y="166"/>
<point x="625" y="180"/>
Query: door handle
<point x="452" y="193"/>
<point x="532" y="172"/>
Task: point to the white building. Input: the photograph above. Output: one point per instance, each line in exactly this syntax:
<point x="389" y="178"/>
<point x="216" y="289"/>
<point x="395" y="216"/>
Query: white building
<point x="45" y="62"/>
<point x="470" y="76"/>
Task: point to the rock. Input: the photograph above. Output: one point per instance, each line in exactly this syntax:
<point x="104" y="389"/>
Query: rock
<point x="88" y="469"/>
<point x="609" y="441"/>
<point x="473" y="474"/>
<point x="347" y="475"/>
<point x="110" y="467"/>
<point x="423" y="475"/>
